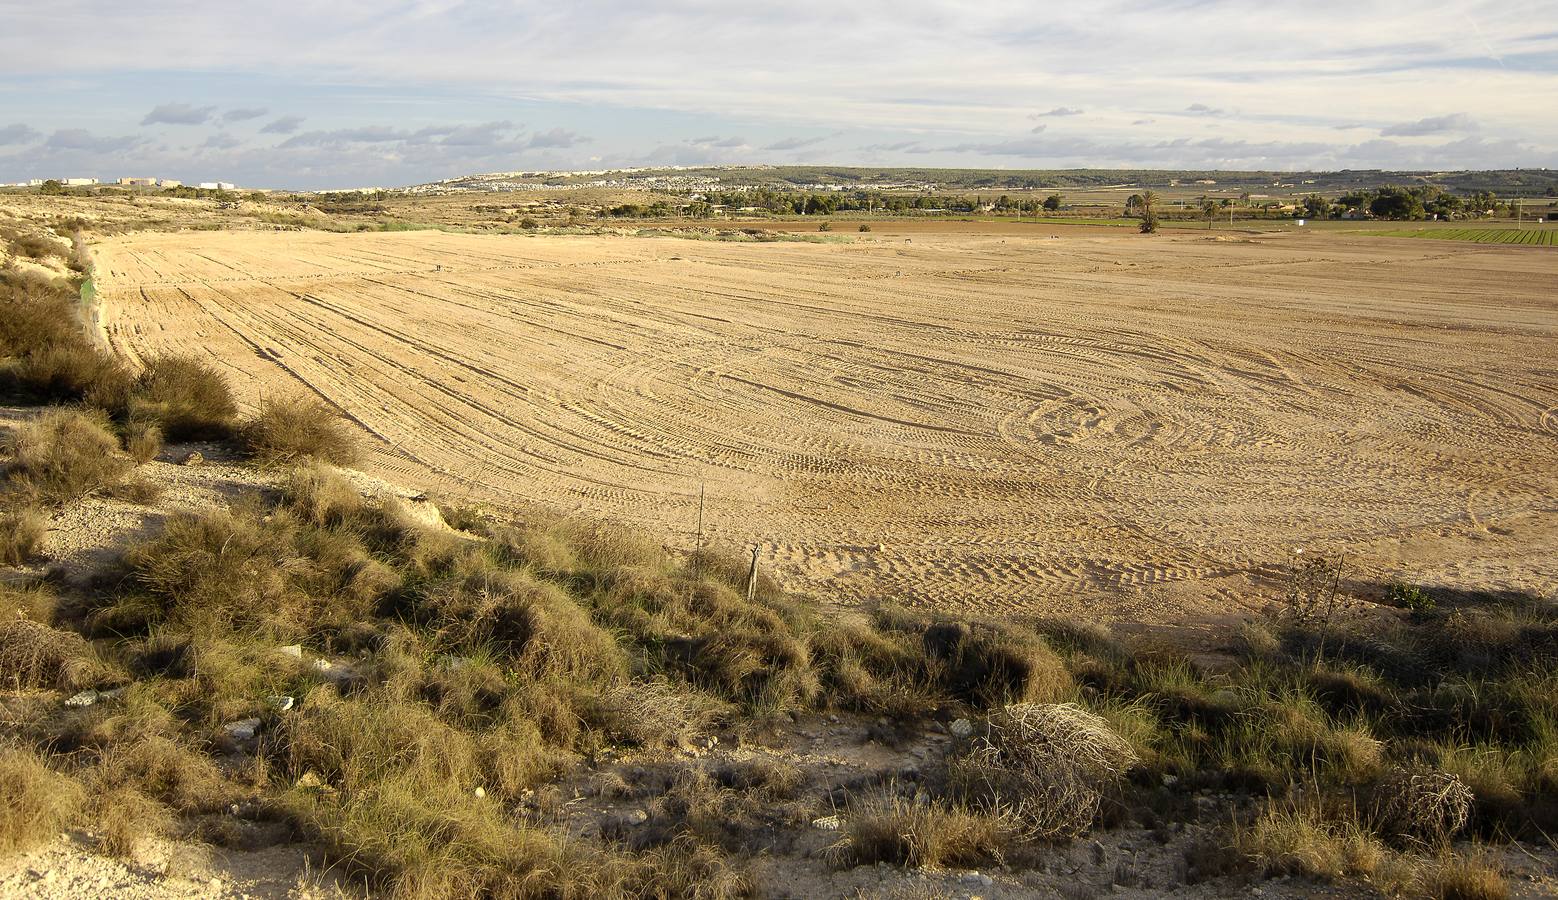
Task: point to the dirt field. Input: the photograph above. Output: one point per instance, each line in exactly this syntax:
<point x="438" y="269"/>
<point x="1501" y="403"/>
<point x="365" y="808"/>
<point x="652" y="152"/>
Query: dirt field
<point x="1132" y="427"/>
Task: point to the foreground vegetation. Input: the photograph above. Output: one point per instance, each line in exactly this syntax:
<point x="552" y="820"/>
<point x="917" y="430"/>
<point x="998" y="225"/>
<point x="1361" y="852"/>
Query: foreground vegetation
<point x="312" y="664"/>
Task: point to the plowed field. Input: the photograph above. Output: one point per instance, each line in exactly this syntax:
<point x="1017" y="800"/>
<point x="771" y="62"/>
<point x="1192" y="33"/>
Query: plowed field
<point x="1099" y="422"/>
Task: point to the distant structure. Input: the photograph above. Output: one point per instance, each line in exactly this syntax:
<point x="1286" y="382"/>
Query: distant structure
<point x="138" y="182"/>
<point x="169" y="183"/>
<point x="78" y="182"/>
<point x="216" y="186"/>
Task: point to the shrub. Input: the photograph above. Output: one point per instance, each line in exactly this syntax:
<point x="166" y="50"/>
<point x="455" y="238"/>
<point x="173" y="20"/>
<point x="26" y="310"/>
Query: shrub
<point x="865" y="226"/>
<point x="64" y="454"/>
<point x="70" y="372"/>
<point x="825" y="226"/>
<point x="186" y="396"/>
<point x="1046" y="765"/>
<point x="22" y="530"/>
<point x="1423" y="806"/>
<point x="290" y="429"/>
<point x="217" y="572"/>
<point x="37" y="802"/>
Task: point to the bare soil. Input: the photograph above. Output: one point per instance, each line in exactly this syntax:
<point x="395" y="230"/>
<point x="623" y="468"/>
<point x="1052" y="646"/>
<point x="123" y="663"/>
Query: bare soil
<point x="1137" y="428"/>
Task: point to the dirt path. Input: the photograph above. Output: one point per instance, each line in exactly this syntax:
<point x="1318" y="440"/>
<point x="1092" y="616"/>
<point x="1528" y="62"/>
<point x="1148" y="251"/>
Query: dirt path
<point x="1130" y="427"/>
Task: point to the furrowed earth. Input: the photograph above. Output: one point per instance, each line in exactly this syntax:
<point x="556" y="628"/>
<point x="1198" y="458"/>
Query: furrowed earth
<point x="1034" y="419"/>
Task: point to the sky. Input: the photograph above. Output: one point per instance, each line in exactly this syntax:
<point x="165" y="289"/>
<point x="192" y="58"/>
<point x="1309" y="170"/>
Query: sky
<point x="358" y="93"/>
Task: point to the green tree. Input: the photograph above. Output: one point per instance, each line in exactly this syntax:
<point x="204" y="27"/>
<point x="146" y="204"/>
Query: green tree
<point x="52" y="187"/>
<point x="1052" y="202"/>
<point x="1147" y="201"/>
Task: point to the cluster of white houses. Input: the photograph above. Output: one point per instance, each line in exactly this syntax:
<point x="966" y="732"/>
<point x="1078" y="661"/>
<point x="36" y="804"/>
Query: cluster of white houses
<point x="130" y="182"/>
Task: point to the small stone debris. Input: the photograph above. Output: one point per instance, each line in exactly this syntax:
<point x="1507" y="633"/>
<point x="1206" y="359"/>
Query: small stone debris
<point x="1170" y="780"/>
<point x="83" y="699"/>
<point x="293" y="650"/>
<point x="978" y="878"/>
<point x="635" y="817"/>
<point x="480" y="792"/>
<point x="193" y="458"/>
<point x="962" y="729"/>
<point x="243" y="729"/>
<point x="281" y="703"/>
<point x="827" y="823"/>
<point x="331" y="671"/>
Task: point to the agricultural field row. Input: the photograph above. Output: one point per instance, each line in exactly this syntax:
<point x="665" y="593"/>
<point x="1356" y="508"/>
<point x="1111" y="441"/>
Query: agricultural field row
<point x="1539" y="237"/>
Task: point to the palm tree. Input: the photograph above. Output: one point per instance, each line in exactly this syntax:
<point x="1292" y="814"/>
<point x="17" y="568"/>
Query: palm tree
<point x="1149" y="216"/>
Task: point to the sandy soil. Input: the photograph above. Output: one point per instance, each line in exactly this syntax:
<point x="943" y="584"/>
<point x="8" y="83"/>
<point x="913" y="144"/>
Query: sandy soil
<point x="1138" y="428"/>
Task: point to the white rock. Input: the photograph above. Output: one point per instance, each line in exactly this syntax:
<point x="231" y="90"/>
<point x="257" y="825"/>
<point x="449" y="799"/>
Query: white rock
<point x="293" y="650"/>
<point x="635" y="817"/>
<point x="85" y="698"/>
<point x="281" y="703"/>
<point x="827" y="823"/>
<point x="243" y="729"/>
<point x="962" y="729"/>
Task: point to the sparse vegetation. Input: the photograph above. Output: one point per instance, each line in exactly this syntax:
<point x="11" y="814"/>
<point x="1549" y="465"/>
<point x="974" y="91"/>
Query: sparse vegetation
<point x="183" y="396"/>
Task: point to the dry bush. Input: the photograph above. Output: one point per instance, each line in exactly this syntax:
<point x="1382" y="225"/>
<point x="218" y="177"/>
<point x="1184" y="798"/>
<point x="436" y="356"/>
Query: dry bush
<point x="22" y="530"/>
<point x="1045" y="765"/>
<point x="684" y="870"/>
<point x="652" y="713"/>
<point x="1423" y="806"/>
<point x="292" y="428"/>
<point x="186" y="396"/>
<point x="873" y="671"/>
<point x="36" y="802"/>
<point x="883" y="827"/>
<point x="64" y="454"/>
<point x="33" y="655"/>
<point x="143" y="441"/>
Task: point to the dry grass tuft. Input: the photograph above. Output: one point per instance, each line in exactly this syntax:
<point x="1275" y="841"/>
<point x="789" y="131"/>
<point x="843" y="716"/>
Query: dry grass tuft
<point x="1300" y="841"/>
<point x="1473" y="877"/>
<point x="62" y="455"/>
<point x="320" y="496"/>
<point x="883" y="827"/>
<point x="186" y="396"/>
<point x="139" y="491"/>
<point x="289" y="429"/>
<point x="143" y="441"/>
<point x="22" y="530"/>
<point x="36" y="802"/>
<point x="1045" y="765"/>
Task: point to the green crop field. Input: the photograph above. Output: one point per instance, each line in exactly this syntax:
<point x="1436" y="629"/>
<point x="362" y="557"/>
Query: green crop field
<point x="1540" y="237"/>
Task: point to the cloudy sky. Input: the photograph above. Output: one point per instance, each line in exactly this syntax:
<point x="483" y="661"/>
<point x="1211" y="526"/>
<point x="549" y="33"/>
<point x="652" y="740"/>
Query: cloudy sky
<point x="359" y="93"/>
